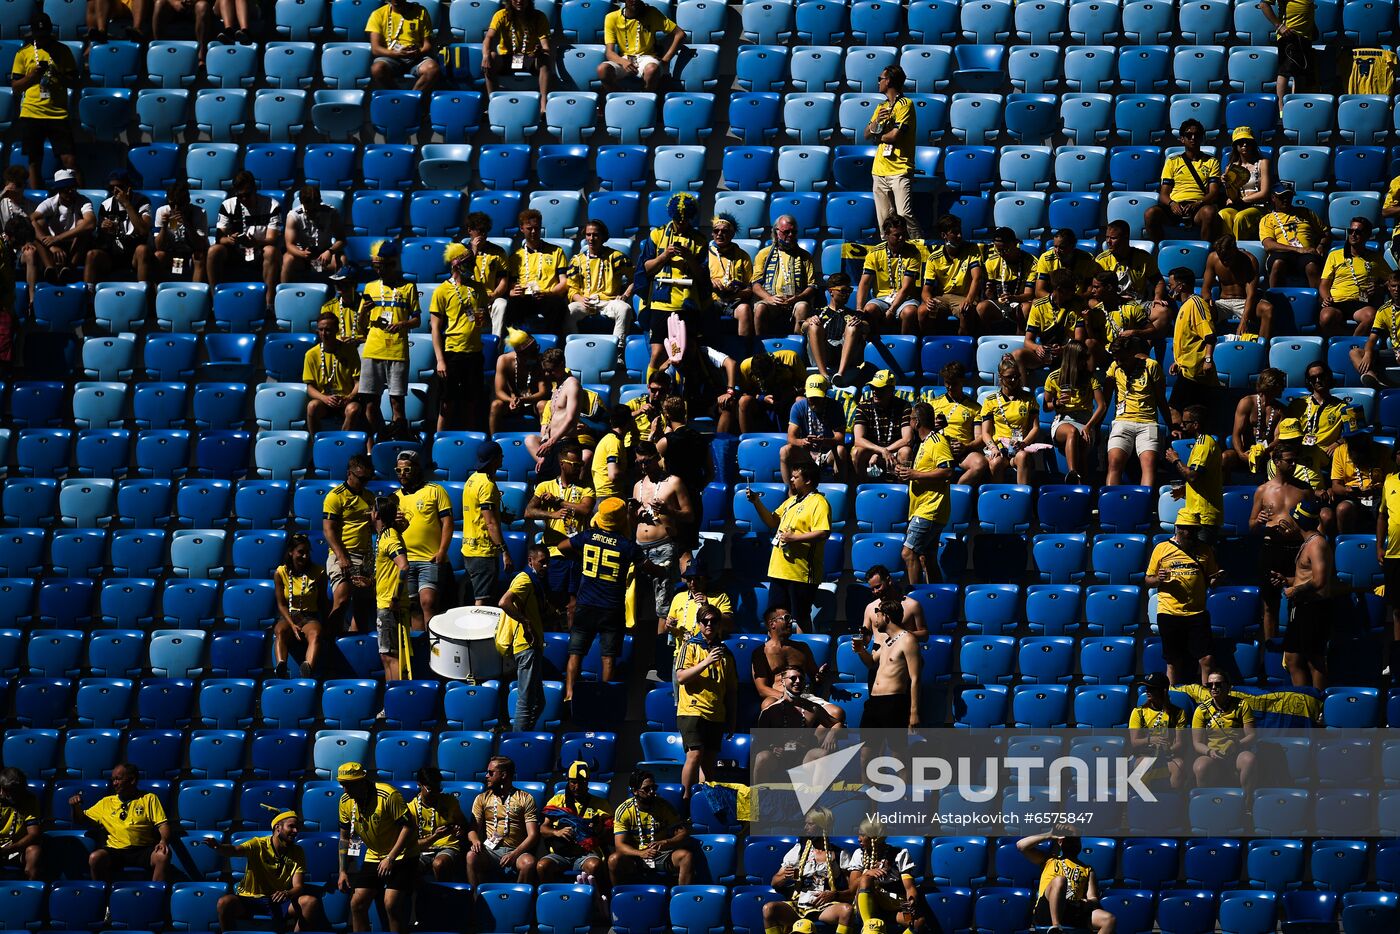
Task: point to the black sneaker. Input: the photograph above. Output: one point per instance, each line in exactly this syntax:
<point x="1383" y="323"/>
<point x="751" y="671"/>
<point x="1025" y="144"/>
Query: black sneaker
<point x="1371" y="379"/>
<point x="1073" y="478"/>
<point x="242" y="37"/>
<point x="306" y="669"/>
<point x="225" y="37"/>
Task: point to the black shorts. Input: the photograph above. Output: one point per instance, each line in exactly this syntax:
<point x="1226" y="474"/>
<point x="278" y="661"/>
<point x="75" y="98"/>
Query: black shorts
<point x="607" y="625"/>
<point x="1362" y="513"/>
<point x="1184" y="637"/>
<point x="130" y="857"/>
<point x="548" y="311"/>
<point x="699" y="733"/>
<point x="1188" y="392"/>
<point x="1295" y="57"/>
<point x="886" y="710"/>
<point x="1073" y="915"/>
<point x="1309" y="627"/>
<point x="400" y="878"/>
<point x="1275" y="555"/>
<point x="1391" y="567"/>
<point x="121" y="251"/>
<point x="34" y="131"/>
<point x="464" y="377"/>
<point x="1294" y="264"/>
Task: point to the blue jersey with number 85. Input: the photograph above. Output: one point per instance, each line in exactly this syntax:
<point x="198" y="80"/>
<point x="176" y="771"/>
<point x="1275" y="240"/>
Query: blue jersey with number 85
<point x="603" y="560"/>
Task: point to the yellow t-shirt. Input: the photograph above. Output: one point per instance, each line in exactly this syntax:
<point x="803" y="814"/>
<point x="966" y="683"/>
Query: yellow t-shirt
<point x="401" y="32"/>
<point x="1294" y="229"/>
<point x="1053" y="324"/>
<point x="952" y="275"/>
<point x="1354" y="279"/>
<point x="684" y="609"/>
<point x="504" y="818"/>
<point x="436" y="820"/>
<point x="1080" y="406"/>
<point x="928" y="499"/>
<point x="1080" y="263"/>
<point x="458" y="305"/>
<point x="962" y="416"/>
<point x="1183" y="184"/>
<point x="1372" y="71"/>
<point x="1371" y="472"/>
<point x="1387" y="324"/>
<point x="1312" y="470"/>
<point x="17" y="817"/>
<point x="352" y="511"/>
<point x="784" y="273"/>
<point x="489" y="267"/>
<point x="1010" y="416"/>
<point x="1390" y="490"/>
<point x="1008" y="275"/>
<point x="1135" y="272"/>
<point x="479" y="494"/>
<point x="636" y="36"/>
<point x="542" y="267"/>
<point x="348" y="316"/>
<point x="589" y="808"/>
<point x="1392" y="194"/>
<point x="1183" y="593"/>
<point x="1322" y="421"/>
<point x="605" y="276"/>
<point x="379" y="828"/>
<point x="646" y="827"/>
<point x="789" y="374"/>
<point x="426" y="509"/>
<point x="609" y="450"/>
<point x="1136" y="395"/>
<point x="895" y="158"/>
<point x="1301" y="17"/>
<point x="666" y="296"/>
<point x="335" y="374"/>
<point x="1076" y="876"/>
<point x="46" y="99"/>
<point x="128" y="823"/>
<point x="1129" y="316"/>
<point x="1205" y="499"/>
<point x="1157" y="721"/>
<point x="705" y="696"/>
<point x="303" y="591"/>
<point x="1223" y="725"/>
<point x="800" y="561"/>
<point x="269" y="871"/>
<point x="733" y="265"/>
<point x="385" y="305"/>
<point x="892" y="269"/>
<point x="1194" y="326"/>
<point x="387" y="590"/>
<point x="556" y="530"/>
<point x="519" y="34"/>
<point x="527" y="601"/>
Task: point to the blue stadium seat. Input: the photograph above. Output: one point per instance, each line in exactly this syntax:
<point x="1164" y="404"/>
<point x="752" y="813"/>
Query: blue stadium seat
<point x="1087" y="117"/>
<point x="975" y="118"/>
<point x="762" y="68"/>
<point x="1119" y="558"/>
<point x="1199" y="69"/>
<point x="767" y="22"/>
<point x="986" y="21"/>
<point x="1140" y="118"/>
<point x="1034" y="69"/>
<point x="1205" y="22"/>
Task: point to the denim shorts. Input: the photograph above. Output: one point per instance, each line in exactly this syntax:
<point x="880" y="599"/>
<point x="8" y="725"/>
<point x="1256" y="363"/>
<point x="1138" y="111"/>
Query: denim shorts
<point x="922" y="536"/>
<point x="422" y="575"/>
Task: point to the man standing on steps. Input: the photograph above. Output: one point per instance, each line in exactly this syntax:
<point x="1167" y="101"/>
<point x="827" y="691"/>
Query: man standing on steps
<point x="891" y="131"/>
<point x="894" y="694"/>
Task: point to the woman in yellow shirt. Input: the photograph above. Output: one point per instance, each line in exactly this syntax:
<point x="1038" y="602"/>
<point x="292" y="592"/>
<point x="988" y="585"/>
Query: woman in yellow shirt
<point x="1076" y="395"/>
<point x="300" y="586"/>
<point x="1010" y="424"/>
<point x="517" y="40"/>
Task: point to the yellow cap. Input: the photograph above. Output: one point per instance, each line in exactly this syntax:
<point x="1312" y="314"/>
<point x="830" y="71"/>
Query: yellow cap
<point x="817" y="387"/>
<point x="516" y="338"/>
<point x="284" y="815"/>
<point x="1241" y="132"/>
<point x="802" y="926"/>
<point x="881" y="379"/>
<point x="454" y="252"/>
<point x="579" y="770"/>
<point x="385" y="249"/>
<point x="611" y="515"/>
<point x="351" y="772"/>
<point x="1290" y="429"/>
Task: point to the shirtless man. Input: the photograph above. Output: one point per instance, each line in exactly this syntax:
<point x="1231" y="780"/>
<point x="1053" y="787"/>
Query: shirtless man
<point x="520" y="384"/>
<point x="1237" y="274"/>
<point x="1272" y="516"/>
<point x="883" y="587"/>
<point x="565" y="405"/>
<point x="661" y="507"/>
<point x="1309" y="591"/>
<point x="1256" y="417"/>
<point x="792" y="708"/>
<point x="894" y="694"/>
<point x="781" y="652"/>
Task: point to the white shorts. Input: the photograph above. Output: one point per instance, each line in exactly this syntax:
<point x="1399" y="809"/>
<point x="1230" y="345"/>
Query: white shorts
<point x="884" y="303"/>
<point x="643" y="63"/>
<point x="1135" y="437"/>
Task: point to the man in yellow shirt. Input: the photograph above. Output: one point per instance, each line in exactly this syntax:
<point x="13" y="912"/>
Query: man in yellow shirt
<point x="1295" y="25"/>
<point x="1064" y="254"/>
<point x="785" y="281"/>
<point x="458" y="318"/>
<point x="1010" y="278"/>
<point x="391" y="595"/>
<point x="539" y="275"/>
<point x="891" y="131"/>
<point x="611" y="464"/>
<point x="769" y="383"/>
<point x="731" y="271"/>
<point x="1372" y="360"/>
<point x="1138" y="276"/>
<point x="401" y="41"/>
<point x="1067" y="895"/>
<point x="1320" y="414"/>
<point x="525" y="603"/>
<point x="802" y="523"/>
<point x="1055" y="319"/>
<point x="488" y="267"/>
<point x="1222" y="732"/>
<point x="345" y="524"/>
<point x="953" y="281"/>
<point x="632" y="31"/>
<point x="1181" y="569"/>
<point x="1193" y="346"/>
<point x="442" y="827"/>
<point x="1294" y="239"/>
<point x="484" y="555"/>
<point x="929" y="506"/>
<point x="378" y="849"/>
<point x="685" y="606"/>
<point x="1351" y="282"/>
<point x="1157" y="732"/>
<point x="43" y="72"/>
<point x="889" y="281"/>
<point x="1141" y="394"/>
<point x="674" y="264"/>
<point x="517" y="41"/>
<point x="600" y="283"/>
<point x="577" y="827"/>
<point x="388" y="313"/>
<point x="1191" y="194"/>
<point x="344" y="305"/>
<point x="428" y="535"/>
<point x="135" y="833"/>
<point x="1203" y="489"/>
<point x="331" y="372"/>
<point x="274" y="880"/>
<point x="1388" y="548"/>
<point x="707" y="698"/>
<point x="649" y="837"/>
<point x="20" y="840"/>
<point x="1359" y="469"/>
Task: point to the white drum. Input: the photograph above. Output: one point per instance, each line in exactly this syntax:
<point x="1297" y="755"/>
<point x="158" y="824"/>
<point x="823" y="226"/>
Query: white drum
<point x="462" y="643"/>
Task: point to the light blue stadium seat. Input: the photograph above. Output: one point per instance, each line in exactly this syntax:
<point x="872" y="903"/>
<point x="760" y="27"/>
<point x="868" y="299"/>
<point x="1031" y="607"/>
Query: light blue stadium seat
<point x="581" y="66"/>
<point x="975" y="118"/>
<point x="299" y="20"/>
<point x="767" y="22"/>
<point x="1034" y="69"/>
<point x="1342" y="206"/>
<point x="174" y="64"/>
<point x="1141" y="118"/>
<point x="1199" y="69"/>
<point x="1147" y="22"/>
<point x="105" y="112"/>
<point x="289" y="64"/>
<point x="874" y="22"/>
<point x="864" y="64"/>
<point x="345" y="65"/>
<point x="467" y="19"/>
<point x="338" y="114"/>
<point x="1369" y="22"/>
<point x="1087" y="117"/>
<point x="1031" y="118"/>
<point x="395" y="114"/>
<point x="1081" y="168"/>
<point x="749" y="209"/>
<point x="221" y="114"/>
<point x="1022" y="211"/>
<point x="986" y="21"/>
<point x="1088" y="68"/>
<point x="1250" y="69"/>
<point x="979" y="67"/>
<point x="1094" y="22"/>
<point x="630" y="118"/>
<point x="810" y="118"/>
<point x="1205" y="22"/>
<point x="803" y="168"/>
<point x="686" y="117"/>
<point x="1362" y="118"/>
<point x="1144" y="69"/>
<point x="570" y="115"/>
<point x="679" y="168"/>
<point x="160" y="112"/>
<point x="211" y="165"/>
<point x="280" y="114"/>
<point x="762" y="68"/>
<point x="1307" y="118"/>
<point x="1042" y="21"/>
<point x="704" y="21"/>
<point x="851" y="215"/>
<point x="562" y="211"/>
